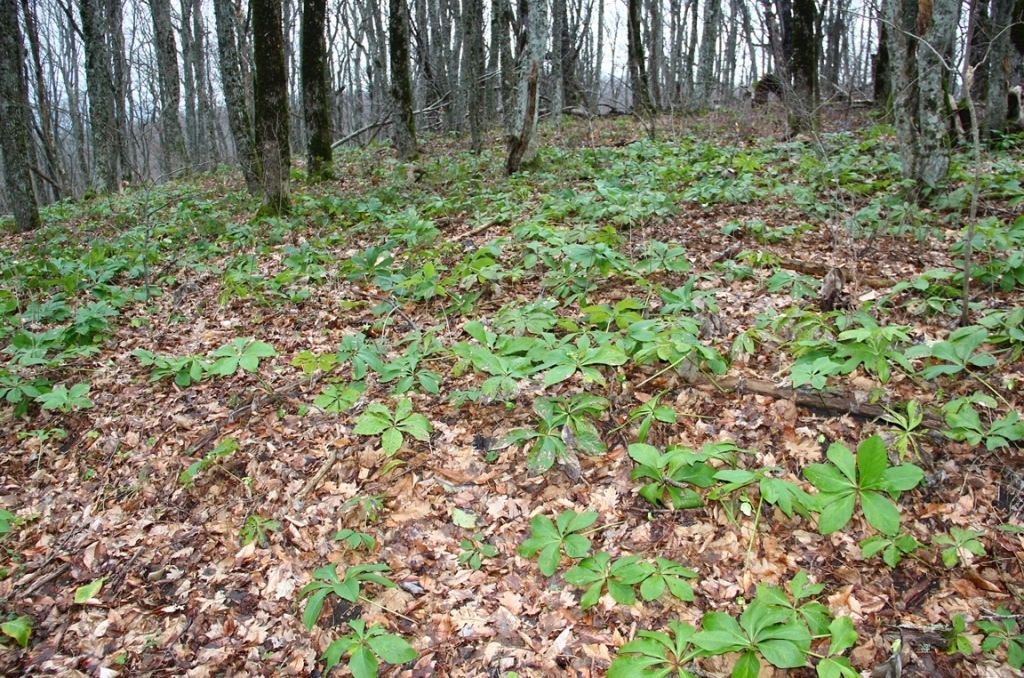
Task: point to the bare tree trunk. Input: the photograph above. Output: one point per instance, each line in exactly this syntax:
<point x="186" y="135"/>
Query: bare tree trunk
<point x="271" y="105"/>
<point x="708" y="42"/>
<point x="998" y="67"/>
<point x="403" y="120"/>
<point x="46" y="118"/>
<point x="203" y="90"/>
<point x="507" y="69"/>
<point x="472" y="69"/>
<point x="315" y="103"/>
<point x="655" y="53"/>
<point x="170" y="86"/>
<point x="691" y="51"/>
<point x="120" y="85"/>
<point x="638" y="82"/>
<point x="919" y="39"/>
<point x="804" y="67"/>
<point x="101" y="96"/>
<point x="239" y="121"/>
<point x="522" y="145"/>
<point x="15" y="120"/>
<point x="558" y="21"/>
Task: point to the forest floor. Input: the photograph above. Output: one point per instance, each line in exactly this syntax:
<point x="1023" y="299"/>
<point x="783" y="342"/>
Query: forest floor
<point x="237" y="375"/>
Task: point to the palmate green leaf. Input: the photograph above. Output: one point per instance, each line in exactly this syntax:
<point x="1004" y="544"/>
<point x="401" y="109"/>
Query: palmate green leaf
<point x="391" y="441"/>
<point x="558" y="374"/>
<point x="641" y="666"/>
<point x="373" y="421"/>
<point x="363" y="663"/>
<point x="837" y="512"/>
<point x="836" y="667"/>
<point x="841" y="456"/>
<point x="900" y="478"/>
<point x="721" y="634"/>
<point x="843" y="635"/>
<point x="828" y="479"/>
<point x="338" y="649"/>
<point x="314" y="605"/>
<point x="576" y="546"/>
<point x="748" y="666"/>
<point x="872" y="461"/>
<point x="570" y="521"/>
<point x="588" y="439"/>
<point x="880" y="513"/>
<point x="647" y="455"/>
<point x="785" y="645"/>
<point x="391" y="648"/>
<point x="759" y="616"/>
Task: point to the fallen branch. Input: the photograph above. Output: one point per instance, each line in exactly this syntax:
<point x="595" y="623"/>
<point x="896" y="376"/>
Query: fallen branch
<point x="828" y="401"/>
<point x="319" y="475"/>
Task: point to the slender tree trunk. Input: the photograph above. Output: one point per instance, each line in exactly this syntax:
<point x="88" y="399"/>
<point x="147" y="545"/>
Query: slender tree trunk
<point x="239" y="121"/>
<point x="691" y="51"/>
<point x="804" y="67"/>
<point x="170" y="86"/>
<point x="315" y="103"/>
<point x="473" y="69"/>
<point x="655" y="53"/>
<point x="522" y="145"/>
<point x="101" y="96"/>
<point x="271" y="105"/>
<point x="15" y="120"/>
<point x="708" y="42"/>
<point x="638" y="81"/>
<point x="120" y="86"/>
<point x="919" y="39"/>
<point x="403" y="121"/>
<point x="46" y="119"/>
<point x="998" y="67"/>
<point x="204" y="100"/>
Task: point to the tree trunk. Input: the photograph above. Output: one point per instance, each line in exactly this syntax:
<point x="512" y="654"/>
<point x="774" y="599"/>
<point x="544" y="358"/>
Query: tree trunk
<point x="271" y="105"/>
<point x="638" y="82"/>
<point x="919" y="82"/>
<point x="15" y="120"/>
<point x="998" y="64"/>
<point x="403" y="120"/>
<point x="882" y="67"/>
<point x="47" y="120"/>
<point x="804" y="67"/>
<point x="315" y="103"/>
<point x="655" y="51"/>
<point x="239" y="121"/>
<point x="170" y="87"/>
<point x="705" y="64"/>
<point x="101" y="97"/>
<point x="472" y="69"/>
<point x="522" y="145"/>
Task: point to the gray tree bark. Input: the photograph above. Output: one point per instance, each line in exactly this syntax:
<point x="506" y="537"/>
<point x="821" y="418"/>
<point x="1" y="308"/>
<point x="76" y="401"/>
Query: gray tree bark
<point x="15" y="120"/>
<point x="522" y="145"/>
<point x="473" y="69"/>
<point x="315" y="103"/>
<point x="919" y="39"/>
<point x="170" y="85"/>
<point x="706" y="62"/>
<point x="99" y="82"/>
<point x="403" y="120"/>
<point x="239" y="121"/>
<point x="638" y="81"/>
<point x="271" y="105"/>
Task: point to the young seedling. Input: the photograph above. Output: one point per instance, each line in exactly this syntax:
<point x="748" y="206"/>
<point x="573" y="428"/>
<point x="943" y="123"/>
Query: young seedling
<point x="549" y="538"/>
<point x="847" y="481"/>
